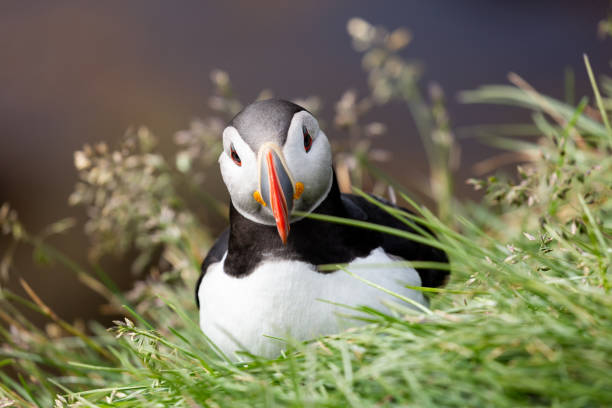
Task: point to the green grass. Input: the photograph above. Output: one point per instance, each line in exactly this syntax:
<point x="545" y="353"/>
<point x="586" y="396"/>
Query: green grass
<point x="525" y="321"/>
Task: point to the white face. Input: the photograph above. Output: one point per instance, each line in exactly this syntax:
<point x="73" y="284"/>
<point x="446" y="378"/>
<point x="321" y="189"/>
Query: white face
<point x="312" y="168"/>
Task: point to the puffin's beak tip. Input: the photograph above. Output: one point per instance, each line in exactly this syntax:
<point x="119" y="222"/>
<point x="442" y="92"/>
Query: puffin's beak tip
<point x="278" y="189"/>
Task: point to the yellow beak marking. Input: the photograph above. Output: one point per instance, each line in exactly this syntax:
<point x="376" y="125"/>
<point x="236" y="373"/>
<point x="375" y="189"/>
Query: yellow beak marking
<point x="257" y="197"/>
<point x="299" y="189"/>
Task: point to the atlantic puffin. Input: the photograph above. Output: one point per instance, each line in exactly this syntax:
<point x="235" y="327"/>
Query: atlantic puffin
<point x="259" y="281"/>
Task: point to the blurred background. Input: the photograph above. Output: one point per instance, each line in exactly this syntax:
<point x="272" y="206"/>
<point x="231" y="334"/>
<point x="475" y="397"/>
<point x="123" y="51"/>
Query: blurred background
<point x="81" y="72"/>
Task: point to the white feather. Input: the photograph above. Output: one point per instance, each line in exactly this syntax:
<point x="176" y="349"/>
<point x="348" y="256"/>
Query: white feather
<point x="241" y="181"/>
<point x="313" y="168"/>
<point x="284" y="299"/>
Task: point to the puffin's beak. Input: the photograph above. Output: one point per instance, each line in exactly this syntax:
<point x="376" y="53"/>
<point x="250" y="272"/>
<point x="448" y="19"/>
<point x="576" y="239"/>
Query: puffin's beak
<point x="276" y="186"/>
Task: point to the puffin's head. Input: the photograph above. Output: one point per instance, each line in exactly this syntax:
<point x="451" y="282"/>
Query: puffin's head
<point x="275" y="160"/>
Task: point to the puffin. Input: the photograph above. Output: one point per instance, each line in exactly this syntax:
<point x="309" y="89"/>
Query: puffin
<point x="260" y="282"/>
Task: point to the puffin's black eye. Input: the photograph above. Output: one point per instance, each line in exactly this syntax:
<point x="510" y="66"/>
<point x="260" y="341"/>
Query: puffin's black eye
<point x="307" y="139"/>
<point x="235" y="156"/>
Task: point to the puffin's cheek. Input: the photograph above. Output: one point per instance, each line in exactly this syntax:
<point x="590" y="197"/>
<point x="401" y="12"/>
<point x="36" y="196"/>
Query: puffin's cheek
<point x="312" y="194"/>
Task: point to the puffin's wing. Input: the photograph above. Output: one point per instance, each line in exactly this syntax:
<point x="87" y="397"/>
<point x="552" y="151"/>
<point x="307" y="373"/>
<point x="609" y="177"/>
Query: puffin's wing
<point x="216" y="253"/>
<point x="361" y="209"/>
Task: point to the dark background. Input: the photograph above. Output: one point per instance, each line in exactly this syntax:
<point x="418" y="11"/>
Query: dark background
<point x="73" y="72"/>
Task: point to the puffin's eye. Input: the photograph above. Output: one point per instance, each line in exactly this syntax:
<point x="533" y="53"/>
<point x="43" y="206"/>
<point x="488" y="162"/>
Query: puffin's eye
<point x="307" y="139"/>
<point x="235" y="156"/>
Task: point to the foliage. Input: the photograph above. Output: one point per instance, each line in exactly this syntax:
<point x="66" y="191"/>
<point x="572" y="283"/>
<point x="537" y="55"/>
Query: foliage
<point x="525" y="319"/>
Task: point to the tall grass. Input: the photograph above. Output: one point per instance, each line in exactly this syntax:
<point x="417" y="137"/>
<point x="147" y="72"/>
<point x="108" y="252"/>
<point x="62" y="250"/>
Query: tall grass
<point x="525" y="320"/>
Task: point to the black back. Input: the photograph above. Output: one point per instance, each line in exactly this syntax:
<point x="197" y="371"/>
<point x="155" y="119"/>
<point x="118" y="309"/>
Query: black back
<point x="318" y="242"/>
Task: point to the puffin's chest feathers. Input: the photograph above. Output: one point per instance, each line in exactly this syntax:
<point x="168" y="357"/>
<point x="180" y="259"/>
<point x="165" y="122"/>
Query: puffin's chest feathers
<point x="290" y="299"/>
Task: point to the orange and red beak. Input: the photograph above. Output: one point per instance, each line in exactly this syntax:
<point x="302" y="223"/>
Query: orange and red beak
<point x="276" y="185"/>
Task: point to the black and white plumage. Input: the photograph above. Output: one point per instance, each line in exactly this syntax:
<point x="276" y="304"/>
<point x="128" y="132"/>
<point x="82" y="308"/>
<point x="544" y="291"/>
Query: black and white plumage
<point x="260" y="278"/>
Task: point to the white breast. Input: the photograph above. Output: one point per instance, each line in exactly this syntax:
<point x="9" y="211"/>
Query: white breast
<point x="285" y="299"/>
